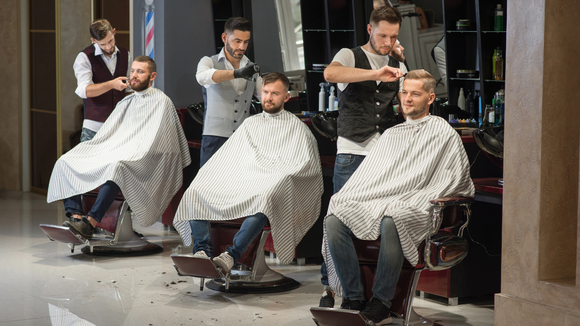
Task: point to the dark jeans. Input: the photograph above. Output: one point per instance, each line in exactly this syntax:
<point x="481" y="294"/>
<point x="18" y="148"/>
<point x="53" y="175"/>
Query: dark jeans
<point x="209" y="145"/>
<point x="105" y="198"/>
<point x="345" y="260"/>
<point x="251" y="227"/>
<point x="87" y="134"/>
<point x="344" y="167"/>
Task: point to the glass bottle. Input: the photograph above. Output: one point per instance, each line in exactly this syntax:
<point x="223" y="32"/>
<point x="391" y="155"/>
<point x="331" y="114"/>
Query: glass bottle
<point x="499" y="65"/>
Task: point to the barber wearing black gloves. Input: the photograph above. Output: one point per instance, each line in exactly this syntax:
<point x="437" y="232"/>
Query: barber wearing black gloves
<point x="230" y="80"/>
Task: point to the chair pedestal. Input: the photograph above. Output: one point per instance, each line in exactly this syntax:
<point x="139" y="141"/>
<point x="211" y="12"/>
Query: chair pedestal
<point x="259" y="279"/>
<point x="122" y="242"/>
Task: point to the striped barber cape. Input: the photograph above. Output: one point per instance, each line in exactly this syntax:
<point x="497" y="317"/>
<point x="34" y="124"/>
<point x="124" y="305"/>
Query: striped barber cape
<point x="141" y="147"/>
<point x="412" y="163"/>
<point x="270" y="165"/>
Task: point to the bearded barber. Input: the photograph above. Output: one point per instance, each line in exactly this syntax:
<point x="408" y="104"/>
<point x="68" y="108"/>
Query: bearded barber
<point x="228" y="78"/>
<point x="101" y="72"/>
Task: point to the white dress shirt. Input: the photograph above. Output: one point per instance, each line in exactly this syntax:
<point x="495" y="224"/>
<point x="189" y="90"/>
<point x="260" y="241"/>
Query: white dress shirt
<point x="84" y="74"/>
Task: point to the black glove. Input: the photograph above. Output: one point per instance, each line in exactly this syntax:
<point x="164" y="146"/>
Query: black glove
<point x="247" y="72"/>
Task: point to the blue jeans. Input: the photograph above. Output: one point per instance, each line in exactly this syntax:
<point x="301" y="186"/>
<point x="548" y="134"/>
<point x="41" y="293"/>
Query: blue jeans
<point x="209" y="145"/>
<point x="346" y="263"/>
<point x="87" y="134"/>
<point x="105" y="198"/>
<point x="344" y="167"/>
<point x="251" y="227"/>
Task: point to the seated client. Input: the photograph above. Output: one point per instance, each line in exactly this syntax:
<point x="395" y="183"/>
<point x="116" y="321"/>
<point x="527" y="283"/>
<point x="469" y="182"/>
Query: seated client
<point x="140" y="150"/>
<point x="388" y="196"/>
<point x="269" y="170"/>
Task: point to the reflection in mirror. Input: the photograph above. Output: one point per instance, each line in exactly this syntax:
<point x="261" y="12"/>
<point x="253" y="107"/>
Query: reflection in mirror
<point x="290" y="24"/>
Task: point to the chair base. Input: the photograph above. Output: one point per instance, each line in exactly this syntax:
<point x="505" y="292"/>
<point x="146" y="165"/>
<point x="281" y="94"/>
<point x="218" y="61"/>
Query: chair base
<point x="343" y="317"/>
<point x="281" y="285"/>
<point x="134" y="248"/>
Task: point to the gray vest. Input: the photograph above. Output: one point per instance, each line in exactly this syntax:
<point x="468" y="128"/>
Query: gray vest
<point x="226" y="110"/>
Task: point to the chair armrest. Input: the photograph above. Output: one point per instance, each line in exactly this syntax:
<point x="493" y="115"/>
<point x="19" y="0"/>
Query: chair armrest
<point x="451" y="201"/>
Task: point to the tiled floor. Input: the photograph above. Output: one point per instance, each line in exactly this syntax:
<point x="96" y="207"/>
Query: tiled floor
<point x="42" y="283"/>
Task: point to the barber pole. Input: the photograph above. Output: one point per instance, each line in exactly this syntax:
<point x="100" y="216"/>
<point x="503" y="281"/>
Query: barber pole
<point x="149" y="29"/>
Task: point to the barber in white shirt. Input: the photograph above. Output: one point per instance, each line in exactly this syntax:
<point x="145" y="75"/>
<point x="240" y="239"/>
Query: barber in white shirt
<point x="101" y="72"/>
<point x="228" y="81"/>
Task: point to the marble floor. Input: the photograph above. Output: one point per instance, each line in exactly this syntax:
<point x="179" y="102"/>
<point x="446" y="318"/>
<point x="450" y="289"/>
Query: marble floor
<point x="43" y="283"/>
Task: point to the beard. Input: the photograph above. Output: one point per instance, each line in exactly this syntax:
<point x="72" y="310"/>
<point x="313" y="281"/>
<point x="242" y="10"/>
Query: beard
<point x="233" y="53"/>
<point x="377" y="49"/>
<point x="143" y="85"/>
<point x="272" y="107"/>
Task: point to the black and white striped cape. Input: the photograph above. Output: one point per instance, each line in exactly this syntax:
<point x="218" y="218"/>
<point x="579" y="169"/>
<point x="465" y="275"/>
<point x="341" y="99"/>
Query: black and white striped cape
<point x="410" y="165"/>
<point x="269" y="165"/>
<point x="141" y="147"/>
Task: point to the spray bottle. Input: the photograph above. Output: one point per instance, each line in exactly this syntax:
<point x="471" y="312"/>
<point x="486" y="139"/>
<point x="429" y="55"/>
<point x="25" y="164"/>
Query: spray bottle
<point x="321" y="98"/>
<point x="331" y="99"/>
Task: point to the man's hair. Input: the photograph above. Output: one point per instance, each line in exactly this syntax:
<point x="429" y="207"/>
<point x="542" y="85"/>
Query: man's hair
<point x="100" y="28"/>
<point x="237" y="23"/>
<point x="151" y="65"/>
<point x="274" y="77"/>
<point x="422" y="75"/>
<point x="386" y="13"/>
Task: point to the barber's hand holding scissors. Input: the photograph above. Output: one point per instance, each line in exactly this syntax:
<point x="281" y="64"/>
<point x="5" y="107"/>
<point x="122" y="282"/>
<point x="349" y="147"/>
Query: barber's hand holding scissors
<point x="389" y="74"/>
<point x="119" y="83"/>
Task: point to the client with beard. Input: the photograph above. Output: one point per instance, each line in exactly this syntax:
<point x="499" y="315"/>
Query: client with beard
<point x="140" y="150"/>
<point x="268" y="170"/>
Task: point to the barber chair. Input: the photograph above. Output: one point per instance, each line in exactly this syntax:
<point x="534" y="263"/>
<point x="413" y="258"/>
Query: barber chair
<point x="440" y="250"/>
<point x="250" y="274"/>
<point x="115" y="232"/>
<point x="490" y="141"/>
<point x="325" y="124"/>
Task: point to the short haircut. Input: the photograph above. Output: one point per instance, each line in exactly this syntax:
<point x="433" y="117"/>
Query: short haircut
<point x="237" y="23"/>
<point x="386" y="13"/>
<point x="274" y="77"/>
<point x="429" y="82"/>
<point x="151" y="65"/>
<point x="100" y="28"/>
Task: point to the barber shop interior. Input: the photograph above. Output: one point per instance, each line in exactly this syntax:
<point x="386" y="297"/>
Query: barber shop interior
<point x="289" y="162"/>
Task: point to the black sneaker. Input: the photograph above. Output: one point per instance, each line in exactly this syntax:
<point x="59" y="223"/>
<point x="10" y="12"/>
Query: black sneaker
<point x="377" y="312"/>
<point x="83" y="227"/>
<point x="327" y="300"/>
<point x="352" y="304"/>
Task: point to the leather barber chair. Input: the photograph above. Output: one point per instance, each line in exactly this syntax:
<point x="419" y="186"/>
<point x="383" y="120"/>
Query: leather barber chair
<point x="250" y="274"/>
<point x="440" y="250"/>
<point x="115" y="232"/>
<point x="325" y="124"/>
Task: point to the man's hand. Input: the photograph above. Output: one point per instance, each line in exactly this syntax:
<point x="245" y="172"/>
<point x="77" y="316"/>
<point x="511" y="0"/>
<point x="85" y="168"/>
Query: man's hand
<point x="119" y="83"/>
<point x="247" y="72"/>
<point x="389" y="74"/>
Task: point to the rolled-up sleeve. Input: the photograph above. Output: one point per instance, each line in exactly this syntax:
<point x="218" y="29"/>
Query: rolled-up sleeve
<point x="83" y="73"/>
<point x="205" y="71"/>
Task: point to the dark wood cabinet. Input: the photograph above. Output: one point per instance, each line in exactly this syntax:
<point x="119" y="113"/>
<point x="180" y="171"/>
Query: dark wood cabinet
<point x="327" y="27"/>
<point x="473" y="48"/>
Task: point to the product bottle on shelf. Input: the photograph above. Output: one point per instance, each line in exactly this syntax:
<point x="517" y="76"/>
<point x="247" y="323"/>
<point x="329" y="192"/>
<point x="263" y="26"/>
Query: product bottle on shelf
<point x="461" y="99"/>
<point x="500" y="107"/>
<point x="321" y="98"/>
<point x="475" y="105"/>
<point x="499" y="65"/>
<point x="498" y="20"/>
<point x="468" y="100"/>
<point x="493" y="57"/>
<point x="331" y="99"/>
<point x="488" y="118"/>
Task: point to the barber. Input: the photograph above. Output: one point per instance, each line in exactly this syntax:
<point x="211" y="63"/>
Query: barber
<point x="101" y="72"/>
<point x="228" y="81"/>
<point x="367" y="78"/>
